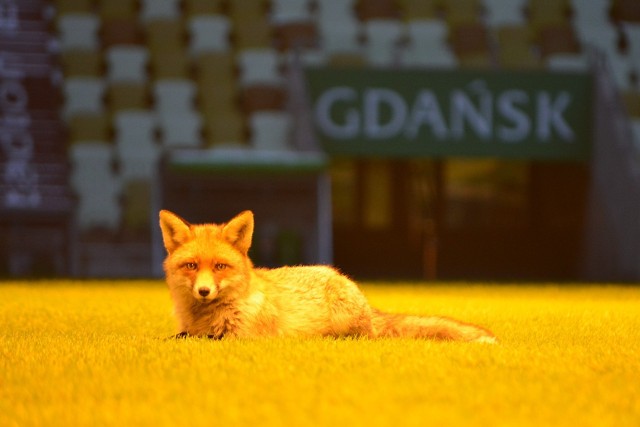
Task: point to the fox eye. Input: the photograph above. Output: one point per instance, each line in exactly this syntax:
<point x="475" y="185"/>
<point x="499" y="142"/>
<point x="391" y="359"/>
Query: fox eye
<point x="191" y="266"/>
<point x="220" y="266"/>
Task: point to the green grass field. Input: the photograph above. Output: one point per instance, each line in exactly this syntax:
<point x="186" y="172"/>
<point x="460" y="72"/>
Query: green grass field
<point x="94" y="353"/>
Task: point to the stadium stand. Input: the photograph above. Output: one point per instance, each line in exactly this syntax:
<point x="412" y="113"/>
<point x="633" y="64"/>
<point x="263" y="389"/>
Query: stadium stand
<point x="209" y="73"/>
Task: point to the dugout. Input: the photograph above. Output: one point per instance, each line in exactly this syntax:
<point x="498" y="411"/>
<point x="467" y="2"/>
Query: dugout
<point x="288" y="193"/>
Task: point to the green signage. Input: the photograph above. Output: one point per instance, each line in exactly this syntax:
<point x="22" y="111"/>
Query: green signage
<point x="463" y="113"/>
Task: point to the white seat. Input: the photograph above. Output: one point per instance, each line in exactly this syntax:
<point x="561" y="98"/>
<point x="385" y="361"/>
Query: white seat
<point x="96" y="185"/>
<point x="329" y="11"/>
<point x="209" y="33"/>
<point x="99" y="210"/>
<point x="270" y="130"/>
<point x="621" y="69"/>
<point x="632" y="33"/>
<point x="174" y="95"/>
<point x="340" y="36"/>
<point x="259" y="66"/>
<point x="127" y="63"/>
<point x="159" y="9"/>
<point x="78" y="31"/>
<point x="91" y="165"/>
<point x="83" y="95"/>
<point x="338" y="27"/>
<point x="382" y="41"/>
<point x="286" y="11"/>
<point x="590" y="12"/>
<point x="137" y="149"/>
<point x="504" y="12"/>
<point x="180" y="129"/>
<point x="427" y="45"/>
<point x="603" y="36"/>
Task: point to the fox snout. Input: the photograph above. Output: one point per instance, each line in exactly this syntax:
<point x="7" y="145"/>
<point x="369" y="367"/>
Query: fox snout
<point x="205" y="291"/>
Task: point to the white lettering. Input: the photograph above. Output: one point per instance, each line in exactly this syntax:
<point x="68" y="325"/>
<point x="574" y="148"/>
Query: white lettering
<point x="374" y="99"/>
<point x="480" y="118"/>
<point x="426" y="111"/>
<point x="508" y="109"/>
<point x="550" y="116"/>
<point x="350" y="127"/>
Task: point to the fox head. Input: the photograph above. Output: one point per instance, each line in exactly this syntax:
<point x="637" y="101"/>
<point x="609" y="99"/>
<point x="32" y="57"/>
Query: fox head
<point x="207" y="261"/>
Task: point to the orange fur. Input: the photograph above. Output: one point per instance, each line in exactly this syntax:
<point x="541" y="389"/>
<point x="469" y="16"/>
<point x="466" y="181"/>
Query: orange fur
<point x="217" y="292"/>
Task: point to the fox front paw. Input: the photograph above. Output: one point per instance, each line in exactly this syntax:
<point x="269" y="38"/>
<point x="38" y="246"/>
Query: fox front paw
<point x="181" y="335"/>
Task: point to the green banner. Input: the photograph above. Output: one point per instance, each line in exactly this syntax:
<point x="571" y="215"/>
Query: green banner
<point x="462" y="113"/>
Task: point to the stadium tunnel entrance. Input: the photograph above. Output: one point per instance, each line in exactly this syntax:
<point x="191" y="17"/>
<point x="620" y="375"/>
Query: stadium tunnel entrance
<point x="458" y="218"/>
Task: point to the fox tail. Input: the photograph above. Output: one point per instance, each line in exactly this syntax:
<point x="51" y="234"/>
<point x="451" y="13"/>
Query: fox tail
<point x="431" y="327"/>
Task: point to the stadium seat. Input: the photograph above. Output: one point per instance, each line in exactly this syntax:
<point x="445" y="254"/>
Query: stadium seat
<point x="216" y="96"/>
<point x="261" y="97"/>
<point x="295" y="36"/>
<point x="174" y="95"/>
<point x="250" y="23"/>
<point x="83" y="95"/>
<point x="81" y="63"/>
<point x="170" y="65"/>
<point x="224" y="128"/>
<point x="376" y="9"/>
<point x="209" y="33"/>
<point x="180" y="129"/>
<point x="500" y="13"/>
<point x="202" y="7"/>
<point x="621" y="68"/>
<point x="136" y="147"/>
<point x="603" y="36"/>
<point x="127" y="63"/>
<point x="427" y="44"/>
<point x="382" y="40"/>
<point x="557" y="39"/>
<point x="85" y="127"/>
<point x="96" y="185"/>
<point x="125" y="10"/>
<point x="116" y="32"/>
<point x="471" y="45"/>
<point x="215" y="77"/>
<point x="164" y="10"/>
<point x="270" y="130"/>
<point x="631" y="31"/>
<point x="462" y="12"/>
<point x="339" y="32"/>
<point x="290" y="11"/>
<point x="515" y="47"/>
<point x="259" y="66"/>
<point x="256" y="35"/>
<point x="136" y="207"/>
<point x="164" y="36"/>
<point x="548" y="13"/>
<point x="78" y="31"/>
<point x="123" y="96"/>
<point x="590" y="13"/>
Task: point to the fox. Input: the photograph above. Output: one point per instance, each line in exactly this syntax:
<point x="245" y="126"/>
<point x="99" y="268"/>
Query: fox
<point x="217" y="292"/>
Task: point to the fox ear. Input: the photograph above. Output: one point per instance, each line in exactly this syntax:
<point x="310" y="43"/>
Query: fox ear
<point x="175" y="230"/>
<point x="239" y="231"/>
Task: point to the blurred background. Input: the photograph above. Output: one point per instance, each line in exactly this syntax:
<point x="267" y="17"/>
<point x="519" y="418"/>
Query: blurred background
<point x="113" y="109"/>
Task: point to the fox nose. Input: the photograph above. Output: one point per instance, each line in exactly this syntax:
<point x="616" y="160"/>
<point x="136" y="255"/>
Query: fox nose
<point x="204" y="292"/>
